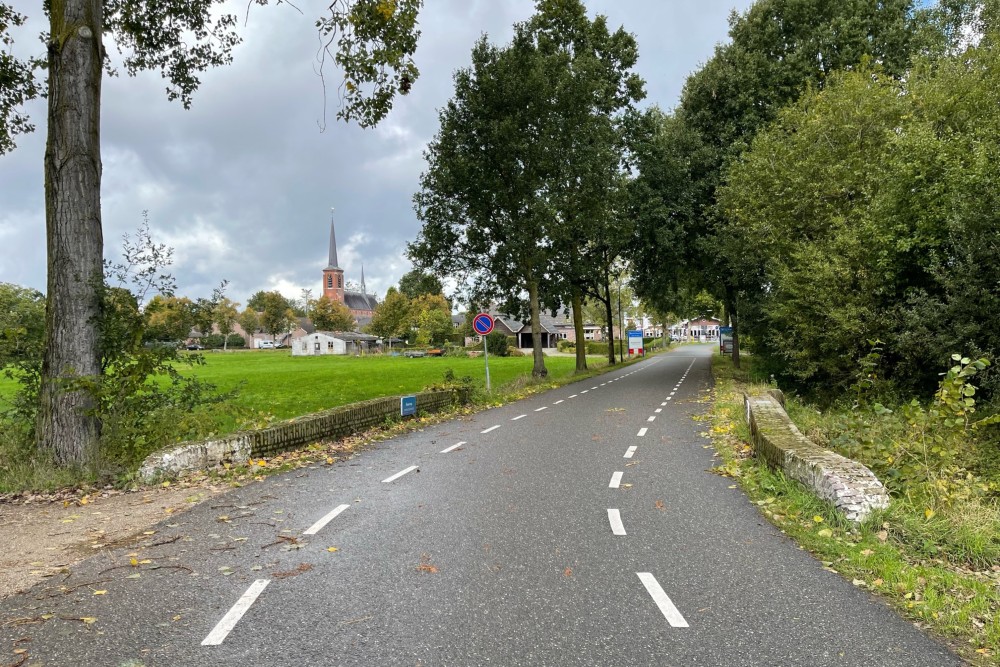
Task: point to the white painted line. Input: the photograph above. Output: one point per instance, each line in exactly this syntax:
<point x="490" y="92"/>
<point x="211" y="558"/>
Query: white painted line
<point x="559" y="401"/>
<point x="593" y="387"/>
<point x="615" y="517"/>
<point x="664" y="404"/>
<point x="669" y="398"/>
<point x="672" y="393"/>
<point x="574" y="395"/>
<point x="544" y="407"/>
<point x="518" y="417"/>
<point x="652" y="418"/>
<point x="658" y="410"/>
<point x="233" y="616"/>
<point x="318" y="526"/>
<point x="398" y="475"/>
<point x="616" y="479"/>
<point x="491" y="428"/>
<point x="667" y="607"/>
<point x="630" y="451"/>
<point x="453" y="447"/>
<point x="642" y="432"/>
<point x="584" y="391"/>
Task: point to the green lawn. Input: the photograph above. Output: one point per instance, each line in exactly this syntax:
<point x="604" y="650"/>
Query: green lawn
<point x="287" y="386"/>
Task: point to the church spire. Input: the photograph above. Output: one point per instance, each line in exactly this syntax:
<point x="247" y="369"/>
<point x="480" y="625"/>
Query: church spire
<point x="333" y="245"/>
<point x="364" y="290"/>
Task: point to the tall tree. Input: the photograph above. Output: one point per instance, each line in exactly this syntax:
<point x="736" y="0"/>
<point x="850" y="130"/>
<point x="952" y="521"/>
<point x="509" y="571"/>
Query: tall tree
<point x="330" y="315"/>
<point x="225" y="316"/>
<point x="392" y="315"/>
<point x="415" y="283"/>
<point x="371" y="40"/>
<point x="274" y="318"/>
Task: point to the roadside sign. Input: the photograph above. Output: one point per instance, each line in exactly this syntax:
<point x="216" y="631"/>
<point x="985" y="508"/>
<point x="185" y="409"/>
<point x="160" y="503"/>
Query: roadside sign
<point x="483" y="324"/>
<point x="634" y="342"/>
<point x="407" y="406"/>
<point x="725" y="330"/>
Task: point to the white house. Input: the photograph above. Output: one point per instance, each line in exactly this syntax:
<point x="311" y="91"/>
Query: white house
<point x="330" y="342"/>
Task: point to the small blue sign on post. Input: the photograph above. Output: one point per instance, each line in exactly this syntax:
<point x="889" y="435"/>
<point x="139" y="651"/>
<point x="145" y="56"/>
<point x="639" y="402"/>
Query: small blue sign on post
<point x="483" y="324"/>
<point x="407" y="406"/>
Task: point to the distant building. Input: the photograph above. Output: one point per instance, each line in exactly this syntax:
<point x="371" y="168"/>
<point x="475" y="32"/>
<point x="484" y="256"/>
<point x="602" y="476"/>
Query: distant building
<point x="361" y="304"/>
<point x="319" y="343"/>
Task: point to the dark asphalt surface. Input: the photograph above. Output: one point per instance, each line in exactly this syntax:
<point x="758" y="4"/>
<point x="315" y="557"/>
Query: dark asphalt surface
<point x="499" y="552"/>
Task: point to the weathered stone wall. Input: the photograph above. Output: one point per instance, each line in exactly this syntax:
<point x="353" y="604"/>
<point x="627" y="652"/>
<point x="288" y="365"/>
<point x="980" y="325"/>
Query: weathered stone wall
<point x="850" y="486"/>
<point x="292" y="434"/>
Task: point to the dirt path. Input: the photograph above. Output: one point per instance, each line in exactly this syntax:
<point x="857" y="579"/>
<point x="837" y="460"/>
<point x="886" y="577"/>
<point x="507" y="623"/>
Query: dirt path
<point x="43" y="536"/>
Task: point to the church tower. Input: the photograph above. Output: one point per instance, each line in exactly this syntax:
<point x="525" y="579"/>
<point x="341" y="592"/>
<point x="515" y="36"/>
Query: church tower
<point x="333" y="275"/>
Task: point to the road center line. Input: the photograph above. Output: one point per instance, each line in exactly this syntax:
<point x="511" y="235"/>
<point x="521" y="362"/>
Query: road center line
<point x="663" y="405"/>
<point x="318" y="526"/>
<point x="615" y="517"/>
<point x="518" y="417"/>
<point x="642" y="432"/>
<point x="658" y="410"/>
<point x="574" y="395"/>
<point x="544" y="407"/>
<point x="630" y="451"/>
<point x="667" y="608"/>
<point x="233" y="616"/>
<point x="584" y="391"/>
<point x="491" y="428"/>
<point x="669" y="398"/>
<point x="652" y="418"/>
<point x="616" y="479"/>
<point x="398" y="475"/>
<point x="453" y="447"/>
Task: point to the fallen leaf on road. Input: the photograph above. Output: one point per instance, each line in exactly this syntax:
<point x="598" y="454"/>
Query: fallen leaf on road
<point x="568" y="572"/>
<point x="425" y="565"/>
<point x="100" y="592"/>
<point x="303" y="567"/>
<point x="332" y="549"/>
<point x="660" y="506"/>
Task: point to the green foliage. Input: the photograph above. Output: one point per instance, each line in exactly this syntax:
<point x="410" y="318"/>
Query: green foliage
<point x="498" y="344"/>
<point x="329" y="315"/>
<point x="19" y="83"/>
<point x="416" y="283"/>
<point x="392" y="315"/>
<point x="22" y="324"/>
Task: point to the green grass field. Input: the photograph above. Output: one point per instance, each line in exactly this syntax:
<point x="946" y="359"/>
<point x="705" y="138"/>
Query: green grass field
<point x="285" y="386"/>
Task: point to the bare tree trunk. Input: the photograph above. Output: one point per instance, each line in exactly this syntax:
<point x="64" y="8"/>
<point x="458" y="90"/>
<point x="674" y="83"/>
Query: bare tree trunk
<point x="610" y="318"/>
<point x="73" y="229"/>
<point x="538" y="370"/>
<point x="734" y="318"/>
<point x="581" y="342"/>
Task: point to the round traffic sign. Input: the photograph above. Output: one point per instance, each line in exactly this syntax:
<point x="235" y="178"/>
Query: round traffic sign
<point x="483" y="324"/>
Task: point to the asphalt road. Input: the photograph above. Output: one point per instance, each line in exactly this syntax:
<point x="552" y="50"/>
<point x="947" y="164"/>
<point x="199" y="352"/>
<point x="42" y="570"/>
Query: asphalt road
<point x="577" y="527"/>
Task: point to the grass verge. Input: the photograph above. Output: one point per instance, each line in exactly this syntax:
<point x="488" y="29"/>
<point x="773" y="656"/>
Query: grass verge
<point x="900" y="554"/>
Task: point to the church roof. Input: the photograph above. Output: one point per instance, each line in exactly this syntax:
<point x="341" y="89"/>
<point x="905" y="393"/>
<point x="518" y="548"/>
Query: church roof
<point x="333" y="245"/>
<point x="359" y="300"/>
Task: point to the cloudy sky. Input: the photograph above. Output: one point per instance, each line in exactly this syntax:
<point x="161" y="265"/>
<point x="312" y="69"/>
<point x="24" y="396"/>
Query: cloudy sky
<point x="241" y="185"/>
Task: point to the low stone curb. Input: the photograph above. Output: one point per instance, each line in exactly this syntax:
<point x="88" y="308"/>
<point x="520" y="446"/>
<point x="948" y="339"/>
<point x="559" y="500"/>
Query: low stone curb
<point x="288" y="435"/>
<point x="850" y="486"/>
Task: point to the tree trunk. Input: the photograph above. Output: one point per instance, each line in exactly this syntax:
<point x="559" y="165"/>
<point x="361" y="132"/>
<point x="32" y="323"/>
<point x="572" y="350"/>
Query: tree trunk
<point x="538" y="370"/>
<point x="734" y="318"/>
<point x="73" y="230"/>
<point x="581" y="342"/>
<point x="610" y="317"/>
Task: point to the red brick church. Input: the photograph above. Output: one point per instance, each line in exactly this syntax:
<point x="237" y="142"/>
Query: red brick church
<point x="361" y="304"/>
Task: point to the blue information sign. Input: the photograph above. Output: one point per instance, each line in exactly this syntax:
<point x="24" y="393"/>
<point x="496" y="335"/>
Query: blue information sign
<point x="407" y="406"/>
<point x="483" y="324"/>
<point x="725" y="330"/>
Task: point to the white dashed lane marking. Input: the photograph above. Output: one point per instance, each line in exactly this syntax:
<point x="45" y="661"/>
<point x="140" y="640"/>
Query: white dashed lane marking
<point x="615" y="518"/>
<point x="658" y="410"/>
<point x="642" y="432"/>
<point x="518" y="417"/>
<point x="559" y="401"/>
<point x="399" y="474"/>
<point x="616" y="479"/>
<point x="453" y="447"/>
<point x="318" y="526"/>
<point x="491" y="428"/>
<point x="233" y="616"/>
<point x="630" y="451"/>
<point x="652" y="418"/>
<point x="667" y="608"/>
<point x="544" y="407"/>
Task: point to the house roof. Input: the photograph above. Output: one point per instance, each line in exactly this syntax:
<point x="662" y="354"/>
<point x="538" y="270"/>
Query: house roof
<point x="343" y="335"/>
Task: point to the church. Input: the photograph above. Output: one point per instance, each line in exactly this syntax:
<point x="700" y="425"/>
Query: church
<point x="361" y="304"/>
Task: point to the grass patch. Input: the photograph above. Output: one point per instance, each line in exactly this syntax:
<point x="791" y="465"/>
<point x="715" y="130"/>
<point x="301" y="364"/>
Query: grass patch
<point x="937" y="569"/>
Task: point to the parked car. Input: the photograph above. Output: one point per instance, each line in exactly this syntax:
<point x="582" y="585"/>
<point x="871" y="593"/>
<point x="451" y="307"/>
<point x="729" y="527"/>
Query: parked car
<point x="195" y="346"/>
<point x="414" y="353"/>
<point x="266" y="345"/>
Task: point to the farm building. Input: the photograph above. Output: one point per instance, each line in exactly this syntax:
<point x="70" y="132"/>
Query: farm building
<point x="333" y="342"/>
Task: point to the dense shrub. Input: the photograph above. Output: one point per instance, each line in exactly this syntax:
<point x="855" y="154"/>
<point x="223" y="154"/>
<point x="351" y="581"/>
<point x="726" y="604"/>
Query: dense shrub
<point x="498" y="344"/>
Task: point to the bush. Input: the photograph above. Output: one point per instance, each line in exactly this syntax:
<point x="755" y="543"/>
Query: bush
<point x="498" y="344"/>
<point x="212" y="341"/>
<point x="566" y="346"/>
<point x="236" y="340"/>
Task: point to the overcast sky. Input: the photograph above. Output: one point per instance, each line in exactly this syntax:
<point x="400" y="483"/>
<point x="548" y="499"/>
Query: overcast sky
<point x="241" y="185"/>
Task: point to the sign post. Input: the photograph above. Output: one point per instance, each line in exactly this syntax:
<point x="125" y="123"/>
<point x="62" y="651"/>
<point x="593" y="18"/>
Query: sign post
<point x="483" y="325"/>
<point x="635" y="343"/>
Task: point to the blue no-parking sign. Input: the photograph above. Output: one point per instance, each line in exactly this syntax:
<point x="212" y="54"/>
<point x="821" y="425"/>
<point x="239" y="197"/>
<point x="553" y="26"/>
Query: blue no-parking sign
<point x="482" y="324"/>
